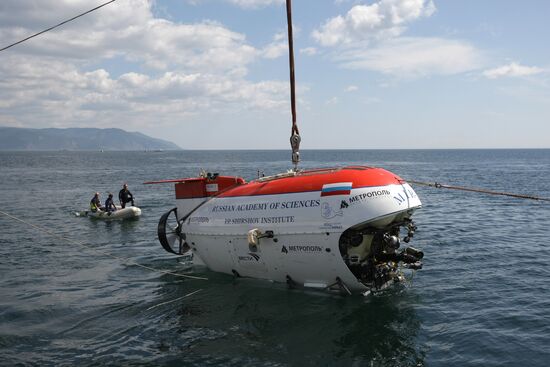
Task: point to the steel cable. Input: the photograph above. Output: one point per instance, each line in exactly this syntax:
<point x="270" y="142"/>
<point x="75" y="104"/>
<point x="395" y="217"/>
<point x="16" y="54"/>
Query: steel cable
<point x="57" y="25"/>
<point x="438" y="185"/>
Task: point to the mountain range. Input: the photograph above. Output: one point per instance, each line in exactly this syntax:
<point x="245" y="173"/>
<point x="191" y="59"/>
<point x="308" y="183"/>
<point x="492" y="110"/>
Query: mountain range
<point x="12" y="138"/>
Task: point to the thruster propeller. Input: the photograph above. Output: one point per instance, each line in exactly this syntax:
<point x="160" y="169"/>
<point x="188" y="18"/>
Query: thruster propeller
<point x="169" y="233"/>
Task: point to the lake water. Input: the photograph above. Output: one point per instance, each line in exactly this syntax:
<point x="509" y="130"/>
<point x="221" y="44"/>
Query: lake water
<point x="482" y="299"/>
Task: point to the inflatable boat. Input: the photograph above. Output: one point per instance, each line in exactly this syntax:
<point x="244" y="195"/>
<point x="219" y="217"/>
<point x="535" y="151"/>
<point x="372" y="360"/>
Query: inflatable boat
<point x="126" y="213"/>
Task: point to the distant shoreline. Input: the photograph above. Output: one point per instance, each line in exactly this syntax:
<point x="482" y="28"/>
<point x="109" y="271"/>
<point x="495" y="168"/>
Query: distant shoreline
<point x="79" y="139"/>
<point x="264" y="150"/>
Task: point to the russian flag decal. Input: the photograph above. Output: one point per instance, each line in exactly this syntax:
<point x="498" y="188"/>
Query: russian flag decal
<point x="340" y="188"/>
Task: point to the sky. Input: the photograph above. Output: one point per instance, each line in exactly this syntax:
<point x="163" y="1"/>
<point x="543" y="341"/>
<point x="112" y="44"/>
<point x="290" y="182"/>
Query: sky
<point x="213" y="74"/>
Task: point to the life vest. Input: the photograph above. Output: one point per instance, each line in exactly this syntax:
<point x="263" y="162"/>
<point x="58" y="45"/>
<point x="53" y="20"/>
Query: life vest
<point x="93" y="205"/>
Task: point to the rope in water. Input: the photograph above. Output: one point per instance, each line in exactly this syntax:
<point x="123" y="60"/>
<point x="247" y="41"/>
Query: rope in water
<point x="438" y="185"/>
<point x="123" y="260"/>
<point x="174" y="300"/>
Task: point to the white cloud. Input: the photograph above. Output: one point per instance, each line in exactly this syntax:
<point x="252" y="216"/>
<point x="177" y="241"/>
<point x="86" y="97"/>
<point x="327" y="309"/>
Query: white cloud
<point x="381" y="20"/>
<point x="245" y="4"/>
<point x="414" y="57"/>
<point x="54" y="93"/>
<point x="512" y="70"/>
<point x="125" y="29"/>
<point x="277" y="48"/>
<point x="253" y="4"/>
<point x="351" y="88"/>
<point x="61" y="78"/>
<point x="164" y="44"/>
<point x="370" y="37"/>
<point x="309" y="51"/>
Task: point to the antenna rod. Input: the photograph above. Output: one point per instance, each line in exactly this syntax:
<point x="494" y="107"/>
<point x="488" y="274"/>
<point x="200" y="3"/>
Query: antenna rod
<point x="295" y="134"/>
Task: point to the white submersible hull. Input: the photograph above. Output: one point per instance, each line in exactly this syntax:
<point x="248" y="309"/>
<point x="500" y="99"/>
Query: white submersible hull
<point x="331" y="228"/>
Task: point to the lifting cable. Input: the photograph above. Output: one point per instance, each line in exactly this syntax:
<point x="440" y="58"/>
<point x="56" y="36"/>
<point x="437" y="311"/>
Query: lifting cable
<point x="57" y="25"/>
<point x="123" y="260"/>
<point x="438" y="185"/>
<point x="294" y="133"/>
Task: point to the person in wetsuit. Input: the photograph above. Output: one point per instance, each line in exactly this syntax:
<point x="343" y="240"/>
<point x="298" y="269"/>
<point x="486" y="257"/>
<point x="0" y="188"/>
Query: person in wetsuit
<point x="109" y="204"/>
<point x="95" y="204"/>
<point x="125" y="196"/>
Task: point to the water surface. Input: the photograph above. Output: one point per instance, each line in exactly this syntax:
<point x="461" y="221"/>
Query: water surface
<point x="483" y="297"/>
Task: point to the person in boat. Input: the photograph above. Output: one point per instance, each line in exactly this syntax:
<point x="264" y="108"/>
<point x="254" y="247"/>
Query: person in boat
<point x="95" y="203"/>
<point x="109" y="204"/>
<point x="125" y="196"/>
